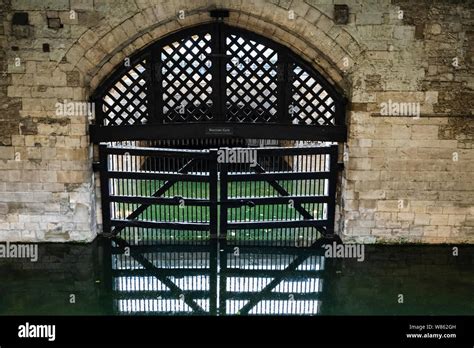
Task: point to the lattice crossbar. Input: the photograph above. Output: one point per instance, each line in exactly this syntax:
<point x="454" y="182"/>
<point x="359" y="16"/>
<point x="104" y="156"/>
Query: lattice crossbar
<point x="218" y="74"/>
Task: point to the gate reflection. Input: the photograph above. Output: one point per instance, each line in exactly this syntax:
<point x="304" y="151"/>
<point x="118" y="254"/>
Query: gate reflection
<point x="259" y="281"/>
<point x="215" y="279"/>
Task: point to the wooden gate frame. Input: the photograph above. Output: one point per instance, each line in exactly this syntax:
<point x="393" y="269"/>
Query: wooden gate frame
<point x="111" y="227"/>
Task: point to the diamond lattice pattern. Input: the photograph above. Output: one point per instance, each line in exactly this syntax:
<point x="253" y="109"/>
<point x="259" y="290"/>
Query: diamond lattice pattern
<point x="252" y="73"/>
<point x="126" y="102"/>
<point x="311" y="104"/>
<point x="187" y="79"/>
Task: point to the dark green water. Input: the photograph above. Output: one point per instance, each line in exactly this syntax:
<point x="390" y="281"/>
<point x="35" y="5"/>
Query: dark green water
<point x="211" y="279"/>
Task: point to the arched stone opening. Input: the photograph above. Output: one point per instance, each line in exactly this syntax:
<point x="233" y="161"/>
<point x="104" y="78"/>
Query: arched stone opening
<point x="269" y="89"/>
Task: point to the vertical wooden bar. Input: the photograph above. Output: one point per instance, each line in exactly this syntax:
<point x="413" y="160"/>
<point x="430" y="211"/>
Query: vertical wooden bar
<point x="104" y="188"/>
<point x="223" y="239"/>
<point x="333" y="152"/>
<point x="284" y="89"/>
<point x="151" y="83"/>
<point x="218" y="72"/>
<point x="105" y="270"/>
<point x="156" y="90"/>
<point x="223" y="201"/>
<point x="98" y="111"/>
<point x="213" y="182"/>
<point x="340" y="115"/>
<point x="222" y="279"/>
<point x="213" y="270"/>
<point x="223" y="59"/>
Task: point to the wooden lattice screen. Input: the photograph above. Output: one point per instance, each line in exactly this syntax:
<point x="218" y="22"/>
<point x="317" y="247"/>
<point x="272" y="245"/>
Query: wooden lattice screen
<point x="220" y="75"/>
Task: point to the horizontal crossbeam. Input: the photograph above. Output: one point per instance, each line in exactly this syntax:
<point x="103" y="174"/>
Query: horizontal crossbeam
<point x="209" y="130"/>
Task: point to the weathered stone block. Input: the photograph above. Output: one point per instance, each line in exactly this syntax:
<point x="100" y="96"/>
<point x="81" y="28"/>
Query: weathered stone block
<point x="73" y="78"/>
<point x="367" y="18"/>
<point x="6" y="153"/>
<point x="87" y="5"/>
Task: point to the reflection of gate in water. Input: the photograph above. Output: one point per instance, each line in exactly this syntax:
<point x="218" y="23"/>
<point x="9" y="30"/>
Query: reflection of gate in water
<point x="199" y="280"/>
<point x="259" y="282"/>
<point x="163" y="280"/>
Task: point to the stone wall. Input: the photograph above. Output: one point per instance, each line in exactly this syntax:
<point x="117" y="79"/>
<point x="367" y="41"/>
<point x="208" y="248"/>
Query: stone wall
<point x="410" y="178"/>
<point x="406" y="178"/>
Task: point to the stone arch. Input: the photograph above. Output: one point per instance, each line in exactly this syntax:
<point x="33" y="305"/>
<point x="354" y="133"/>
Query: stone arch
<point x="311" y="34"/>
<point x="307" y="31"/>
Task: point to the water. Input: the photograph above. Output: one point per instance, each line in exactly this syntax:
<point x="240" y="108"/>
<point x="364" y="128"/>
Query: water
<point x="74" y="279"/>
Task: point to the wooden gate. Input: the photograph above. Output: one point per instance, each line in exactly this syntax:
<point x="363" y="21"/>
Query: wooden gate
<point x="243" y="196"/>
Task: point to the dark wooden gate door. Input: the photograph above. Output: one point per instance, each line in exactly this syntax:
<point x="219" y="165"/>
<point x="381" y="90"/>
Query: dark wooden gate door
<point x="164" y="196"/>
<point x="243" y="196"/>
<point x="286" y="198"/>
